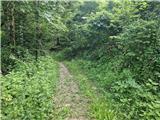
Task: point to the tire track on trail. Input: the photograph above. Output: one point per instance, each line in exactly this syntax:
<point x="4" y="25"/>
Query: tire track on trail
<point x="68" y="96"/>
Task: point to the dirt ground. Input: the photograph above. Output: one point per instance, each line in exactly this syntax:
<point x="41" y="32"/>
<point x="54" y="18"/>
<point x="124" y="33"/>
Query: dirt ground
<point x="68" y="96"/>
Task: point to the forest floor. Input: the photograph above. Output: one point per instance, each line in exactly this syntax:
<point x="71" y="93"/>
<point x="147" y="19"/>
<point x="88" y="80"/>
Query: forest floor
<point x="68" y="98"/>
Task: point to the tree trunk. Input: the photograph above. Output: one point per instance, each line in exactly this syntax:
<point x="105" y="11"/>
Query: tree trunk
<point x="12" y="26"/>
<point x="37" y="28"/>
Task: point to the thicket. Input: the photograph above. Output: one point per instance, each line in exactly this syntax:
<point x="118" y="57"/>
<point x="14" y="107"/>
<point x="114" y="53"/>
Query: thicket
<point x="27" y="91"/>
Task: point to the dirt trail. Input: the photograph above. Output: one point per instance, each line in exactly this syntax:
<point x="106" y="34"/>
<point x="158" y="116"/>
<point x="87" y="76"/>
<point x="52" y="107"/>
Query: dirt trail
<point x="68" y="95"/>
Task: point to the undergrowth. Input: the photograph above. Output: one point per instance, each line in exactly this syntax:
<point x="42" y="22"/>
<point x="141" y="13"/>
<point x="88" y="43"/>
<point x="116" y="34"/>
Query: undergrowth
<point x="27" y="91"/>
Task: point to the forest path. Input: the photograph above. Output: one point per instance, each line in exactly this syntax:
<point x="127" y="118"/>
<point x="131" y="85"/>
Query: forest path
<point x="68" y="96"/>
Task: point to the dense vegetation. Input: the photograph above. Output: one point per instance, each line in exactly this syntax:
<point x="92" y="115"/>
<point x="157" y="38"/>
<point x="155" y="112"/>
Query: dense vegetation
<point x="116" y="45"/>
<point x="28" y="90"/>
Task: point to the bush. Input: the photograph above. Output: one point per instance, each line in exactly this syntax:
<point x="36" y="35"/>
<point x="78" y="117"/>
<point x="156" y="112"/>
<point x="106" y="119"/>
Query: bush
<point x="141" y="46"/>
<point x="28" y="90"/>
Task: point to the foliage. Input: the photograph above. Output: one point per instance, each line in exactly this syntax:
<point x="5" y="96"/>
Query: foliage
<point x="137" y="101"/>
<point x="141" y="46"/>
<point x="28" y="90"/>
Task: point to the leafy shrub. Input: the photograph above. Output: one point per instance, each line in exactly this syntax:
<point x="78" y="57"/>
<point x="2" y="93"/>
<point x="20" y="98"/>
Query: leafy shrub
<point x="28" y="90"/>
<point x="141" y="46"/>
<point x="135" y="100"/>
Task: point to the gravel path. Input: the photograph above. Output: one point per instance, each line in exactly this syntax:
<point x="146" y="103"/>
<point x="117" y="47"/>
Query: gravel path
<point x="68" y="96"/>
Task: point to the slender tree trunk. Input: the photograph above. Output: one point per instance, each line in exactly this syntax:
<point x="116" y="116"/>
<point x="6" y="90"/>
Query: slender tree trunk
<point x="21" y="23"/>
<point x="12" y="26"/>
<point x="7" y="21"/>
<point x="37" y="34"/>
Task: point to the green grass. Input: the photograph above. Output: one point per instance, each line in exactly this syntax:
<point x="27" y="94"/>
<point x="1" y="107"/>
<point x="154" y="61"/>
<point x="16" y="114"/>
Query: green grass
<point x="27" y="91"/>
<point x="61" y="114"/>
<point x="100" y="106"/>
